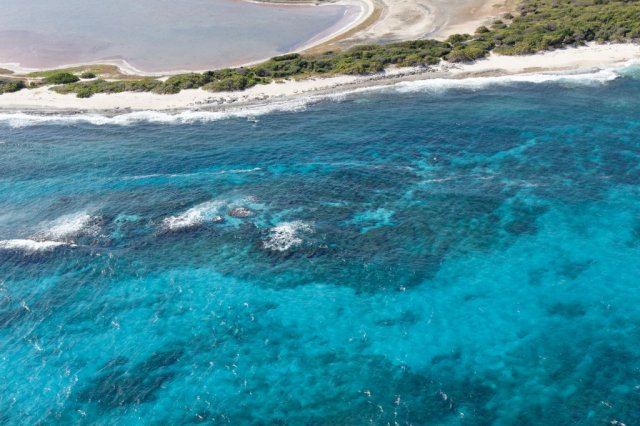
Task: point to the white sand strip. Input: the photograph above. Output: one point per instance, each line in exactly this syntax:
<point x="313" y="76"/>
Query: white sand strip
<point x="588" y="57"/>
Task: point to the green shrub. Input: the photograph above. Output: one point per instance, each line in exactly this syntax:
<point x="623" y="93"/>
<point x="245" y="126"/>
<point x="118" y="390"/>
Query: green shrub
<point x="84" y="92"/>
<point x="87" y="89"/>
<point x="236" y="82"/>
<point x="458" y="38"/>
<point x="286" y="57"/>
<point x="550" y="24"/>
<point x="11" y="85"/>
<point x="458" y="55"/>
<point x="61" y="78"/>
<point x="185" y="81"/>
<point x="87" y="75"/>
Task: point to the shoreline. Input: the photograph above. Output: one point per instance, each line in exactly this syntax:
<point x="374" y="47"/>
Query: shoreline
<point x="337" y="31"/>
<point x="592" y="57"/>
<point x="378" y="21"/>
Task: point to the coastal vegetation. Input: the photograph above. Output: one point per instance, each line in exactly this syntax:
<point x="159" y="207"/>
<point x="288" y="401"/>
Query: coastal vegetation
<point x="61" y="78"/>
<point x="89" y="88"/>
<point x="11" y="85"/>
<point x="550" y="24"/>
<point x="538" y="25"/>
<point x="106" y="71"/>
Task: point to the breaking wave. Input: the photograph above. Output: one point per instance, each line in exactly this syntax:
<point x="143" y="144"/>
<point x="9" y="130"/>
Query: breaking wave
<point x="193" y="217"/>
<point x="438" y="85"/>
<point x="57" y="233"/>
<point x="21" y="119"/>
<point x="286" y="235"/>
<point x="69" y="226"/>
<point x="435" y="85"/>
<point x="30" y="245"/>
<point x="186" y="175"/>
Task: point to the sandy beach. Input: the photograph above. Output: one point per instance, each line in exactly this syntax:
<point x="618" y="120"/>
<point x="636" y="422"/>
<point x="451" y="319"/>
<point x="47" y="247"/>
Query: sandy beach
<point x="418" y="19"/>
<point x="397" y="20"/>
<point x="588" y="58"/>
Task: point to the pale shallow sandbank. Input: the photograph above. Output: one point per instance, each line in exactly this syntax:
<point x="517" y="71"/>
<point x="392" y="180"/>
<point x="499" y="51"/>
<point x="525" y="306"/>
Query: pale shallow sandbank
<point x="592" y="57"/>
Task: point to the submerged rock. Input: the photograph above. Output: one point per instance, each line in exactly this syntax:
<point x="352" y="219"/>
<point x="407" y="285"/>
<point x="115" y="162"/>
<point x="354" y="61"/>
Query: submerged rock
<point x="241" y="212"/>
<point x="217" y="219"/>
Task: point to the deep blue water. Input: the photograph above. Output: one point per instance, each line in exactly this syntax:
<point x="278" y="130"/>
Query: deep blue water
<point x="460" y="256"/>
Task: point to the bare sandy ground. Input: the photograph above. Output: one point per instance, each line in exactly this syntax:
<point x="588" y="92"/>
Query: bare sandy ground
<point x="471" y="15"/>
<point x="415" y="19"/>
<point x="559" y="61"/>
<point x="397" y="20"/>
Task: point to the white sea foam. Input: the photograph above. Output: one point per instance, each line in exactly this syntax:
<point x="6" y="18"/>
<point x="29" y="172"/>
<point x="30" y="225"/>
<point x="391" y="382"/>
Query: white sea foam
<point x="193" y="217"/>
<point x="286" y="235"/>
<point x="255" y="169"/>
<point x="438" y="85"/>
<point x="21" y="119"/>
<point x="433" y="85"/>
<point x="184" y="175"/>
<point x="30" y="245"/>
<point x="69" y="226"/>
<point x="56" y="233"/>
<point x="630" y="69"/>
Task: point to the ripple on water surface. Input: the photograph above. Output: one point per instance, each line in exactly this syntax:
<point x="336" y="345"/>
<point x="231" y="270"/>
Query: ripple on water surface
<point x="467" y="257"/>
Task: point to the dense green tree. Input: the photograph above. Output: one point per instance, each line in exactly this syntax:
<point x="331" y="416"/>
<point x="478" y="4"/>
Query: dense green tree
<point x="11" y="85"/>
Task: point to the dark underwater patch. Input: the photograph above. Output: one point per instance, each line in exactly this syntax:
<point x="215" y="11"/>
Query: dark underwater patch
<point x="567" y="309"/>
<point x="573" y="270"/>
<point x="524" y="218"/>
<point x="119" y="386"/>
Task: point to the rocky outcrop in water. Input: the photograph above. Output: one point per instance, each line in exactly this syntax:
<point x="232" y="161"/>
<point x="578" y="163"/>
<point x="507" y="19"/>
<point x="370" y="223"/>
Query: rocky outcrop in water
<point x="241" y="212"/>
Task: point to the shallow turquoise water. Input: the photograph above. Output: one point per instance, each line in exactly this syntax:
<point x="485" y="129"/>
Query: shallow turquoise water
<point x="461" y="256"/>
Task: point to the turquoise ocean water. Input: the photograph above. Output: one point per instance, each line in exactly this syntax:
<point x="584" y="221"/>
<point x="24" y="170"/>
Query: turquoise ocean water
<point x="436" y="253"/>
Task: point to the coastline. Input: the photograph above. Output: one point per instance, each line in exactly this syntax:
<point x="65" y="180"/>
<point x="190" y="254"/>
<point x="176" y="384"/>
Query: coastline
<point x="588" y="58"/>
<point x="377" y="21"/>
<point x="401" y="20"/>
<point x="367" y="9"/>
